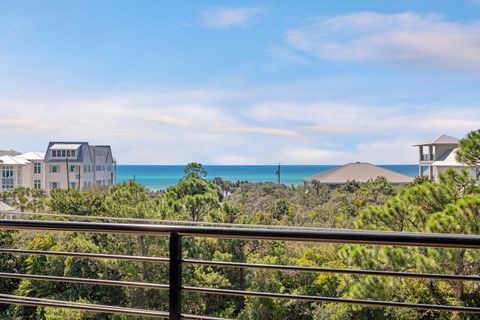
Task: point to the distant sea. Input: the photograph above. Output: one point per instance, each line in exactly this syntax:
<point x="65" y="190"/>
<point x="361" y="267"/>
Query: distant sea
<point x="157" y="177"/>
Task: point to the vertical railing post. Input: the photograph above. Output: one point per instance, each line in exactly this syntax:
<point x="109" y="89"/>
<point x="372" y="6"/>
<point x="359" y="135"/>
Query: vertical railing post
<point x="175" y="277"/>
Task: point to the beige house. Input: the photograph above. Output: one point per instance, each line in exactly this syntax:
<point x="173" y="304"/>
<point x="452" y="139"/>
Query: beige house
<point x="359" y="172"/>
<point x="14" y="172"/>
<point x="34" y="174"/>
<point x="23" y="170"/>
<point x="438" y="155"/>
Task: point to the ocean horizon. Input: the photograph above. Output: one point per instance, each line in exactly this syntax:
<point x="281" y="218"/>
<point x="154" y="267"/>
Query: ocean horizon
<point x="158" y="177"/>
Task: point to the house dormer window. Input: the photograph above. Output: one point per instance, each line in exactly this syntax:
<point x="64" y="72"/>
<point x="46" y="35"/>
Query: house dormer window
<point x="64" y="153"/>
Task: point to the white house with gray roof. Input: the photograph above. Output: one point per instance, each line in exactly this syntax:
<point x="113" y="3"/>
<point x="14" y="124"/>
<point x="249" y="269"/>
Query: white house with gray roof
<point x="438" y="155"/>
<point x="64" y="165"/>
<point x="78" y="165"/>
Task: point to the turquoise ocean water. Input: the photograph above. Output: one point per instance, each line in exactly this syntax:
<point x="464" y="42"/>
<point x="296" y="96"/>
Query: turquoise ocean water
<point x="157" y="177"/>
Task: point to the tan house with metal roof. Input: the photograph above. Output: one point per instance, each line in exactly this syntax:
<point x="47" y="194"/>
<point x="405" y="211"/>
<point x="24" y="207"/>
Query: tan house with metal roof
<point x="359" y="172"/>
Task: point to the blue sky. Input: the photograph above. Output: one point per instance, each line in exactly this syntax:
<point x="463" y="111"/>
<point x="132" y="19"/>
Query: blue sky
<point x="324" y="82"/>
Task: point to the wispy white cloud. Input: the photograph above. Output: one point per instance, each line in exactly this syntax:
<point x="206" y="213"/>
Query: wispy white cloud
<point x="287" y="54"/>
<point x="212" y="119"/>
<point x="170" y="120"/>
<point x="385" y="151"/>
<point x="337" y="117"/>
<point x="25" y="125"/>
<point x="378" y="152"/>
<point x="268" y="131"/>
<point x="228" y="17"/>
<point x="368" y="36"/>
<point x="332" y="117"/>
<point x="330" y="129"/>
<point x="180" y="125"/>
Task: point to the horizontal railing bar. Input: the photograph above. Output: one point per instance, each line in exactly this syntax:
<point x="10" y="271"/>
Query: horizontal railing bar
<point x="105" y="282"/>
<point x="248" y="265"/>
<point x="199" y="223"/>
<point x="359" y="237"/>
<point x="86" y="255"/>
<point x="375" y="303"/>
<point x="195" y="317"/>
<point x="332" y="270"/>
<point x="40" y="302"/>
<point x="10" y="299"/>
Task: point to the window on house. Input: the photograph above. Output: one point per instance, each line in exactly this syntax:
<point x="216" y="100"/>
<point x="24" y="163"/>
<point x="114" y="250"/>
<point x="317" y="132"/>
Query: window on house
<point x="64" y="153"/>
<point x="37" y="184"/>
<point x="37" y="168"/>
<point x="54" y="153"/>
<point x="7" y="171"/>
<point x="73" y="153"/>
<point x="98" y="168"/>
<point x="73" y="185"/>
<point x="54" y="185"/>
<point x="72" y="168"/>
<point x="54" y="168"/>
<point x="68" y="153"/>
<point x="7" y="178"/>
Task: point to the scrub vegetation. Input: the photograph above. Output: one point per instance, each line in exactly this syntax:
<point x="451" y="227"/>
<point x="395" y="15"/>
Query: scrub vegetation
<point x="451" y="205"/>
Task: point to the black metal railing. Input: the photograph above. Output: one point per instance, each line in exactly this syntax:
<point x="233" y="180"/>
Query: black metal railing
<point x="176" y="263"/>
